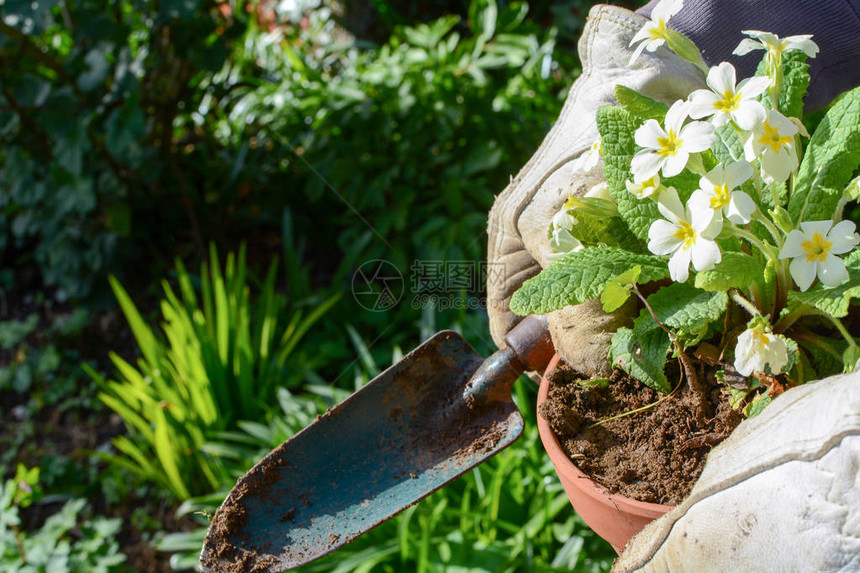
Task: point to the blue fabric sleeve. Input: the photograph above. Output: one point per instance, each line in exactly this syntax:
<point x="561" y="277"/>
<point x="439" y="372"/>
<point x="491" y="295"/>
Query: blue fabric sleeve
<point x="715" y="26"/>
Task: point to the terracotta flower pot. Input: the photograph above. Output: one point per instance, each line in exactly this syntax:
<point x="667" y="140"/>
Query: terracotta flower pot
<point x="615" y="518"/>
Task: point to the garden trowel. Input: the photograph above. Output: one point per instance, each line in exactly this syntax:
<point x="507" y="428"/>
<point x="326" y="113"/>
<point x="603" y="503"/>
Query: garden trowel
<point x="428" y="419"/>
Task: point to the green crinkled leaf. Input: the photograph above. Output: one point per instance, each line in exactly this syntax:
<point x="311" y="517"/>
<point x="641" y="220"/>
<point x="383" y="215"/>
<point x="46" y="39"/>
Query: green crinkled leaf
<point x="617" y="128"/>
<point x="729" y="148"/>
<point x="767" y="199"/>
<point x="735" y="270"/>
<point x="639" y="105"/>
<point x="804" y="371"/>
<point x="768" y="288"/>
<point x="641" y="352"/>
<point x="850" y="357"/>
<point x="617" y="291"/>
<point x="832" y="300"/>
<point x="795" y="81"/>
<point x="683" y="307"/>
<point x="832" y="156"/>
<point x="737" y="395"/>
<point x="852" y="190"/>
<point x="594" y="230"/>
<point x="826" y="356"/>
<point x="685" y="183"/>
<point x="580" y="276"/>
<point x="757" y="406"/>
<point x="642" y="355"/>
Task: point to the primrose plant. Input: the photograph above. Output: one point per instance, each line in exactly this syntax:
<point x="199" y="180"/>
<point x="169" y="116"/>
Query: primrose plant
<point x="724" y="219"/>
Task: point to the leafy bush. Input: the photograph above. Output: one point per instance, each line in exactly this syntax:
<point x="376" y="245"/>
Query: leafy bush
<point x="220" y="360"/>
<point x="88" y="98"/>
<point x="65" y="543"/>
<point x="114" y="122"/>
<point x="412" y="138"/>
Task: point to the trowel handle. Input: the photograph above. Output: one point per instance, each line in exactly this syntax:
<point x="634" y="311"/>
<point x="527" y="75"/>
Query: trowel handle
<point x="528" y="348"/>
<point x="531" y="343"/>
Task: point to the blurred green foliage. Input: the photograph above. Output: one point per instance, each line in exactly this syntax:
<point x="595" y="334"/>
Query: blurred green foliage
<point x="203" y="123"/>
<point x="219" y="360"/>
<point x="66" y="543"/>
<point x="89" y="92"/>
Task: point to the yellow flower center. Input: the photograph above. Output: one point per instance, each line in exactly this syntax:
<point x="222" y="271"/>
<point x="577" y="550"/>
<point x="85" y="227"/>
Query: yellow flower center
<point x="639" y="189"/>
<point x="776" y="49"/>
<point x="669" y="145"/>
<point x="773" y="139"/>
<point x="761" y="337"/>
<point x="658" y="32"/>
<point x="572" y="203"/>
<point x="686" y="234"/>
<point x="816" y="248"/>
<point x="721" y="197"/>
<point x="729" y="102"/>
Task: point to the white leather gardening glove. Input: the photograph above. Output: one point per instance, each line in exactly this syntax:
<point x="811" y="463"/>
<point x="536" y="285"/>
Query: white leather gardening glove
<point x="782" y="493"/>
<point x="518" y="221"/>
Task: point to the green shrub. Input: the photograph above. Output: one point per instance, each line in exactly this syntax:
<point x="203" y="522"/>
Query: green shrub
<point x="220" y="360"/>
<point x="66" y="542"/>
<point x="88" y="96"/>
<point x="415" y="136"/>
<point x="171" y="115"/>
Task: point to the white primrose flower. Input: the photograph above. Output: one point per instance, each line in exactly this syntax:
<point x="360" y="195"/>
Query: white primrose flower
<point x="654" y="33"/>
<point x="726" y="101"/>
<point x="775" y="45"/>
<point x="599" y="191"/>
<point x="645" y="188"/>
<point x="563" y="219"/>
<point x="718" y="188"/>
<point x="561" y="240"/>
<point x="772" y="142"/>
<point x="688" y="234"/>
<point x="813" y="249"/>
<point x="592" y="156"/>
<point x="669" y="150"/>
<point x="757" y="350"/>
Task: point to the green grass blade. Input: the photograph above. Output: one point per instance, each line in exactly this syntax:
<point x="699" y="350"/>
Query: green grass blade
<point x="142" y="333"/>
<point x="167" y="454"/>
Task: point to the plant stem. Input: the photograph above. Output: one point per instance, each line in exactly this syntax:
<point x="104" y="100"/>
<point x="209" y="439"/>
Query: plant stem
<point x="773" y="190"/>
<point x="783" y="283"/>
<point x="756" y="176"/>
<point x="692" y="380"/>
<point x="20" y="543"/>
<point x="803" y="335"/>
<point x="786" y="321"/>
<point x="841" y="328"/>
<point x="755" y="241"/>
<point x="771" y="228"/>
<point x="637" y="410"/>
<point x="745" y="304"/>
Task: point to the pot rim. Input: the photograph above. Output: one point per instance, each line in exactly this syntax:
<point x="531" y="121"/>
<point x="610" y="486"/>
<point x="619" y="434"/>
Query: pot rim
<point x="564" y="464"/>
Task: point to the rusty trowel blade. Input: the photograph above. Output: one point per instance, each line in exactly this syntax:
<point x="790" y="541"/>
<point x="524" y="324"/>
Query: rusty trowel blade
<point x="397" y="440"/>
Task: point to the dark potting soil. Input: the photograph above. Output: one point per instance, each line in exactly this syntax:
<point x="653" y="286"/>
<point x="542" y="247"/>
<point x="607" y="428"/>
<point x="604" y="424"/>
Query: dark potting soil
<point x="653" y="456"/>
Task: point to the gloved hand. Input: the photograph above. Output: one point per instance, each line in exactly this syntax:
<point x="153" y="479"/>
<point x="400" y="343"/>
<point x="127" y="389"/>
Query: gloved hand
<point x="782" y="493"/>
<point x="518" y="222"/>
